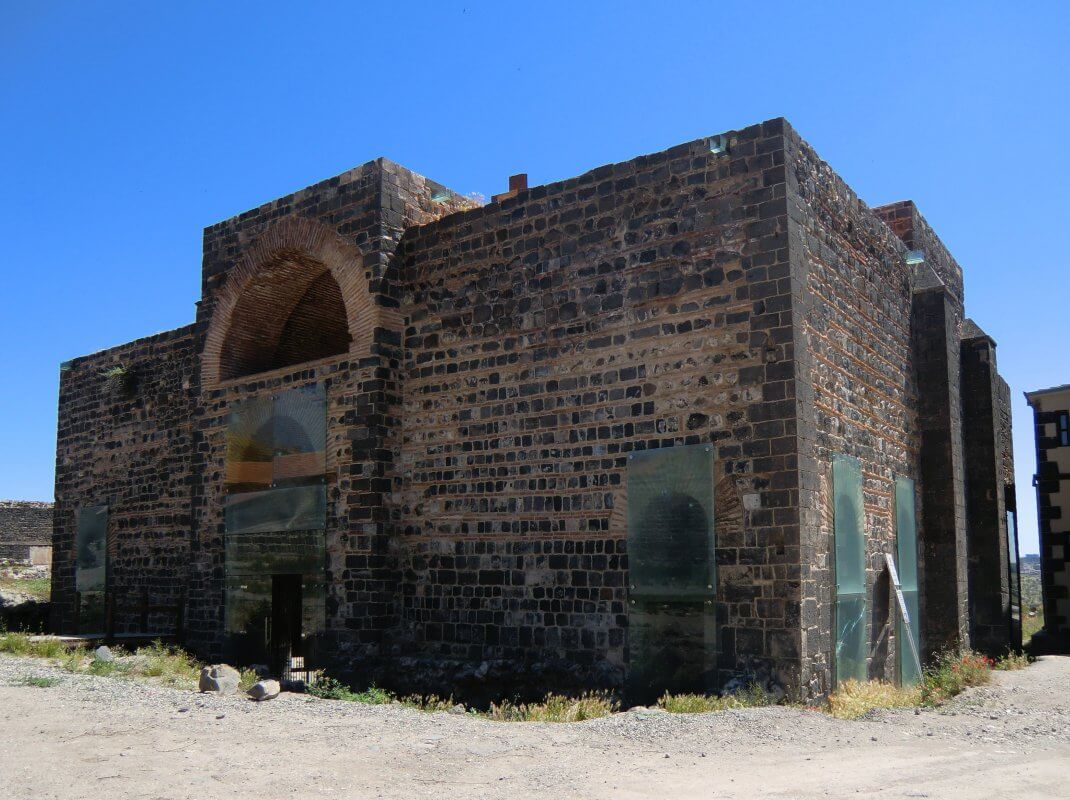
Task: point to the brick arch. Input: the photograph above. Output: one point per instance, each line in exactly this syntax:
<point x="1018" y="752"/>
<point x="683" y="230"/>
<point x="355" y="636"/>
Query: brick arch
<point x="295" y="267"/>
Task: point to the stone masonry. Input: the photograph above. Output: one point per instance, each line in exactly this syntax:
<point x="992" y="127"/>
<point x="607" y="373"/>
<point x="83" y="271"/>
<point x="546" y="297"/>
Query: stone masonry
<point x="24" y="525"/>
<point x="1051" y="424"/>
<point x="489" y="370"/>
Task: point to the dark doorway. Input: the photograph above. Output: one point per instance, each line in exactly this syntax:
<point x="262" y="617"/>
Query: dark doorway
<point x="285" y="640"/>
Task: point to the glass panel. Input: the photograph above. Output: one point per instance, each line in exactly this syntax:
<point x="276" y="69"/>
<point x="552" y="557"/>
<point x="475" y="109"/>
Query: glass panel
<point x="672" y="631"/>
<point x="300" y="435"/>
<point x="1014" y="579"/>
<point x="293" y="509"/>
<point x="91" y="543"/>
<point x="906" y="535"/>
<point x="275" y="552"/>
<point x="670" y="522"/>
<point x="851" y="637"/>
<point x="672" y="647"/>
<point x="250" y="445"/>
<point x="248" y="618"/>
<point x="313" y="617"/>
<point x="850" y="569"/>
<point x="91" y="612"/>
<point x="908" y="669"/>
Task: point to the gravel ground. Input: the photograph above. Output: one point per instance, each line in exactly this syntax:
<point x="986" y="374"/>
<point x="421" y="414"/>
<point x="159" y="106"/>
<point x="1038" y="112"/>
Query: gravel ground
<point x="89" y="737"/>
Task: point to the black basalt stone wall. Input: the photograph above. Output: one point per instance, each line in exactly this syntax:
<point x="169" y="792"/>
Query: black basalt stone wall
<point x="989" y="598"/>
<point x="503" y="362"/>
<point x="942" y="536"/>
<point x="24" y="524"/>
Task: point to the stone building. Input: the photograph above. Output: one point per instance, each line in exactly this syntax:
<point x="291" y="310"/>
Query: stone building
<point x="651" y="427"/>
<point x="26" y="532"/>
<point x="1051" y="425"/>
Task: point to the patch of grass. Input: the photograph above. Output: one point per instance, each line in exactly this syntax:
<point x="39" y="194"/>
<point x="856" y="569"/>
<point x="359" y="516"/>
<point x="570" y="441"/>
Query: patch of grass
<point x="1032" y="625"/>
<point x="106" y="669"/>
<point x="430" y="702"/>
<point x="556" y="708"/>
<point x="247" y="678"/>
<point x="39" y="682"/>
<point x="327" y="688"/>
<point x="752" y="696"/>
<point x="953" y="672"/>
<point x="1011" y="661"/>
<point x="854" y="699"/>
<point x="38" y="588"/>
<point x="21" y="644"/>
<point x="173" y="666"/>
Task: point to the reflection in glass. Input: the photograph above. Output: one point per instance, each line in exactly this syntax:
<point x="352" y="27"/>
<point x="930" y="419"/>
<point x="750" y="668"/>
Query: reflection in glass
<point x="300" y="436"/>
<point x="91" y="544"/>
<point x="1014" y="580"/>
<point x="250" y="445"/>
<point x="906" y="533"/>
<point x="92" y="612"/>
<point x="247" y="617"/>
<point x="275" y="552"/>
<point x="849" y="524"/>
<point x="672" y="631"/>
<point x="293" y="509"/>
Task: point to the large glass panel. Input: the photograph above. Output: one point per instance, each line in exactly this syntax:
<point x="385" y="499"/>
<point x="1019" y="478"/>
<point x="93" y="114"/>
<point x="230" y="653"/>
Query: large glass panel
<point x="275" y="514"/>
<point x="313" y="617"/>
<point x="250" y="445"/>
<point x="850" y="661"/>
<point x="275" y="552"/>
<point x="92" y="612"/>
<point x="300" y="436"/>
<point x="672" y="631"/>
<point x="1014" y="579"/>
<point x="92" y="547"/>
<point x="670" y="522"/>
<point x="247" y="619"/>
<point x="906" y="534"/>
<point x="298" y="508"/>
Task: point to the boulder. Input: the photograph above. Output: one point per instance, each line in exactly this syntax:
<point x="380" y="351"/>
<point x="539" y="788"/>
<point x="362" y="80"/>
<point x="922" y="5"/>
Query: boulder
<point x="264" y="690"/>
<point x="220" y="678"/>
<point x="103" y="653"/>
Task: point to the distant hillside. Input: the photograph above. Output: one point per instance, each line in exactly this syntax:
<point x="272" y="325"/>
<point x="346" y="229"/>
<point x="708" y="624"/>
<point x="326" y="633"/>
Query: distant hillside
<point x="1031" y="590"/>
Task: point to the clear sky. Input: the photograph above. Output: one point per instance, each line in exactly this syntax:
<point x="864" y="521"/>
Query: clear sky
<point x="128" y="127"/>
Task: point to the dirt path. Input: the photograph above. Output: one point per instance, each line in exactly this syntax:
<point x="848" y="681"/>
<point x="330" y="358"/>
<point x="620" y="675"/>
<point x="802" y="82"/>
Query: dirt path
<point x="102" y="738"/>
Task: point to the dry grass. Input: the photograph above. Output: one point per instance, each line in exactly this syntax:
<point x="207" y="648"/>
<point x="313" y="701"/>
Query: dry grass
<point x="556" y="708"/>
<point x="1011" y="661"/>
<point x="21" y="644"/>
<point x="156" y="663"/>
<point x="854" y="699"/>
<point x="751" y="697"/>
<point x="953" y="672"/>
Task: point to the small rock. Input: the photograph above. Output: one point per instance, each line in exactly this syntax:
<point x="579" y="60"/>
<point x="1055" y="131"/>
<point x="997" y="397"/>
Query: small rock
<point x="183" y="710"/>
<point x="458" y="709"/>
<point x="220" y="678"/>
<point x="103" y="653"/>
<point x="264" y="690"/>
<point x="220" y="716"/>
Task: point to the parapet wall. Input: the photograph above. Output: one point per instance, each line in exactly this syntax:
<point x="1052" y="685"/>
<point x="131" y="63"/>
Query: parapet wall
<point x="24" y="524"/>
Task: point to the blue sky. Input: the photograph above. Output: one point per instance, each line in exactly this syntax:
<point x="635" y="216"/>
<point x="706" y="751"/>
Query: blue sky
<point x="128" y="127"/>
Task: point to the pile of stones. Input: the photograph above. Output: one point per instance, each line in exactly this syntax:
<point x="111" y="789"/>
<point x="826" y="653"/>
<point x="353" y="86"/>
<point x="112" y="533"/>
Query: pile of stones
<point x="224" y="679"/>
